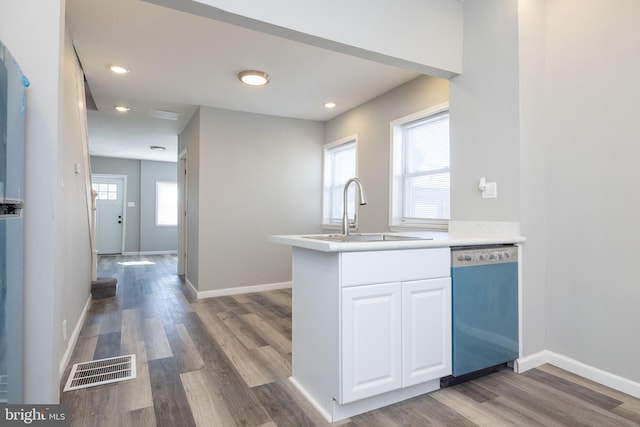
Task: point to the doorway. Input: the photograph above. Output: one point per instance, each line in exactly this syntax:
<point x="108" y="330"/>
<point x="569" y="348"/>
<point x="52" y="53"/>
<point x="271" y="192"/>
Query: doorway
<point x="110" y="213"/>
<point x="182" y="213"/>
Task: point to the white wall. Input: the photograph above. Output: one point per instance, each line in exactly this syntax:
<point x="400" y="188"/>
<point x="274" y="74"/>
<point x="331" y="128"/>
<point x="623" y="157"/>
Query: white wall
<point x="592" y="174"/>
<point x="371" y="122"/>
<point x="39" y="54"/>
<point x="420" y="35"/>
<point x="54" y="197"/>
<point x="258" y="175"/>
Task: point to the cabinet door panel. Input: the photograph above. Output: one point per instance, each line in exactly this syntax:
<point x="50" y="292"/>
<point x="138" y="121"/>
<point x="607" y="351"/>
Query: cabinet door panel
<point x="426" y="309"/>
<point x="371" y="340"/>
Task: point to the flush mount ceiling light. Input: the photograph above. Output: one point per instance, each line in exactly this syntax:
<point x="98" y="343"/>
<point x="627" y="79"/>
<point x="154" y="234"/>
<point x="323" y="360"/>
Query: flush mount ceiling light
<point x="157" y="147"/>
<point x="329" y="105"/>
<point x="254" y="78"/>
<point x="122" y="108"/>
<point x="118" y="69"/>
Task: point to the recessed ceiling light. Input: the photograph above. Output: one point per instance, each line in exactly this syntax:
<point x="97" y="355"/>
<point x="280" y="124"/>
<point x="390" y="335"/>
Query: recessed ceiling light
<point x="122" y="108"/>
<point x="157" y="147"/>
<point x="254" y="78"/>
<point x="118" y="69"/>
<point x="329" y="104"/>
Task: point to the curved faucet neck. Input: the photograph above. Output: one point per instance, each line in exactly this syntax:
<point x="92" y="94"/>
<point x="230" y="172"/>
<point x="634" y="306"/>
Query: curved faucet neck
<point x="363" y="201"/>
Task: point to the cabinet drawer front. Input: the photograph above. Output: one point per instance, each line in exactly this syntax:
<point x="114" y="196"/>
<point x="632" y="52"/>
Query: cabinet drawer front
<point x="359" y="268"/>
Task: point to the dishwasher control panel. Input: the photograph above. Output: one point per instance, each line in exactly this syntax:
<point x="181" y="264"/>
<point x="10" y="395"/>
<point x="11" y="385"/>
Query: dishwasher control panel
<point x="461" y="257"/>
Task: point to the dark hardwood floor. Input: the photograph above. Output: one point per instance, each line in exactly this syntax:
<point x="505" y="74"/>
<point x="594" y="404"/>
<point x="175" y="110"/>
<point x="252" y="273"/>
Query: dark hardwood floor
<point x="226" y="361"/>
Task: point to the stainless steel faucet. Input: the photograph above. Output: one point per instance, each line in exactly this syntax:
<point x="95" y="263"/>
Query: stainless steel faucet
<point x="363" y="201"/>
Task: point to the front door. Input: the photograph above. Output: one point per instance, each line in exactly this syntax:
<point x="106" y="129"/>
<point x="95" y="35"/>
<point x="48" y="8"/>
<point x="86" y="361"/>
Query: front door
<point x="109" y="213"/>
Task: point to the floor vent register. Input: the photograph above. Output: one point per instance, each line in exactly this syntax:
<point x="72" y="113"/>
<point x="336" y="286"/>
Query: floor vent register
<point x="102" y="371"/>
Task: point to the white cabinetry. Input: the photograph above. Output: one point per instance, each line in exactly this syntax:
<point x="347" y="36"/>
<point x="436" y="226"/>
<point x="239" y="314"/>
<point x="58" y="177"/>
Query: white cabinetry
<point x="426" y="330"/>
<point x="397" y="334"/>
<point x="371" y="340"/>
<point x="370" y="328"/>
<point x="394" y="335"/>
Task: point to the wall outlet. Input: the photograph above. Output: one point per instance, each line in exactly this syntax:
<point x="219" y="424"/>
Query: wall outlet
<point x="490" y="191"/>
<point x="64" y="329"/>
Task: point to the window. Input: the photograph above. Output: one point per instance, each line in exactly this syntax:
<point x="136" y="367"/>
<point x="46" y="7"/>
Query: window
<point x="166" y="203"/>
<point x="339" y="167"/>
<point x="106" y="191"/>
<point x="420" y="178"/>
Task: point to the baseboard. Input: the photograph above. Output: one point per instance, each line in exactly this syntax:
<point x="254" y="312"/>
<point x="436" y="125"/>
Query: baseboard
<point x="594" y="374"/>
<point x="239" y="290"/>
<point x="192" y="289"/>
<point x="318" y="407"/>
<point x="142" y="253"/>
<point x="73" y="339"/>
<point x="605" y="378"/>
<point x="523" y="364"/>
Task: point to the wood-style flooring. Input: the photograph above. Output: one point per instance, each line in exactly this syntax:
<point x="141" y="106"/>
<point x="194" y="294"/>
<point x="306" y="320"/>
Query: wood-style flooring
<point x="225" y="362"/>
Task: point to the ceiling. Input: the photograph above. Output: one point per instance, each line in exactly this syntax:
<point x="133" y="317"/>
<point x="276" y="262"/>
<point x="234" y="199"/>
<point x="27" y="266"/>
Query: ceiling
<point x="179" y="61"/>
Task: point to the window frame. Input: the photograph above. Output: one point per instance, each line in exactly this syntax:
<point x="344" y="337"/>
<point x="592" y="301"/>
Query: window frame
<point x="397" y="221"/>
<point x="329" y="148"/>
<point x="158" y="184"/>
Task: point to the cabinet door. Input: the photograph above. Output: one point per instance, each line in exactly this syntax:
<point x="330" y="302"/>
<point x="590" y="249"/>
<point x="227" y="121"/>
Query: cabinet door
<point x="371" y="340"/>
<point x="426" y="316"/>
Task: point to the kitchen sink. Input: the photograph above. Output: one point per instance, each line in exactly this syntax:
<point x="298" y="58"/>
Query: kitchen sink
<point x="380" y="237"/>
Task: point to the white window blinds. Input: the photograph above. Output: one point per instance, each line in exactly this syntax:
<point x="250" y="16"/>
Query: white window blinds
<point x="420" y="177"/>
<point x="426" y="176"/>
<point x="340" y="165"/>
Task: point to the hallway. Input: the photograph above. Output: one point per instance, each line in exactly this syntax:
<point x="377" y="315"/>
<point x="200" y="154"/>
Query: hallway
<point x="225" y="362"/>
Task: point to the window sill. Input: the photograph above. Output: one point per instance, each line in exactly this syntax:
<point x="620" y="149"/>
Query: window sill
<point x="337" y="227"/>
<point x="442" y="226"/>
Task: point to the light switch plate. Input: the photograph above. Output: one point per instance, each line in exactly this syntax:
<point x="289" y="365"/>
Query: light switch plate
<point x="491" y="191"/>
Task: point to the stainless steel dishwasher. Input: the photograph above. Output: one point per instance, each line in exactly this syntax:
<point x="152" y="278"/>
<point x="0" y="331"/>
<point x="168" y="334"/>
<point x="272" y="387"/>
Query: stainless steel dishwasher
<point x="484" y="298"/>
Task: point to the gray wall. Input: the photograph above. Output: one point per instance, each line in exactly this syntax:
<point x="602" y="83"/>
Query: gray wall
<point x="74" y="257"/>
<point x="189" y="140"/>
<point x="371" y="121"/>
<point x="258" y="175"/>
<point x="575" y="129"/>
<point x="155" y="238"/>
<point x="142" y="235"/>
<point x="484" y="114"/>
<point x="130" y="168"/>
<point x="592" y="171"/>
<point x="533" y="179"/>
<point x="487" y="138"/>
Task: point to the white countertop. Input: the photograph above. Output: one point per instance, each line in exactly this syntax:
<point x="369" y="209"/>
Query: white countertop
<point x="436" y="240"/>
